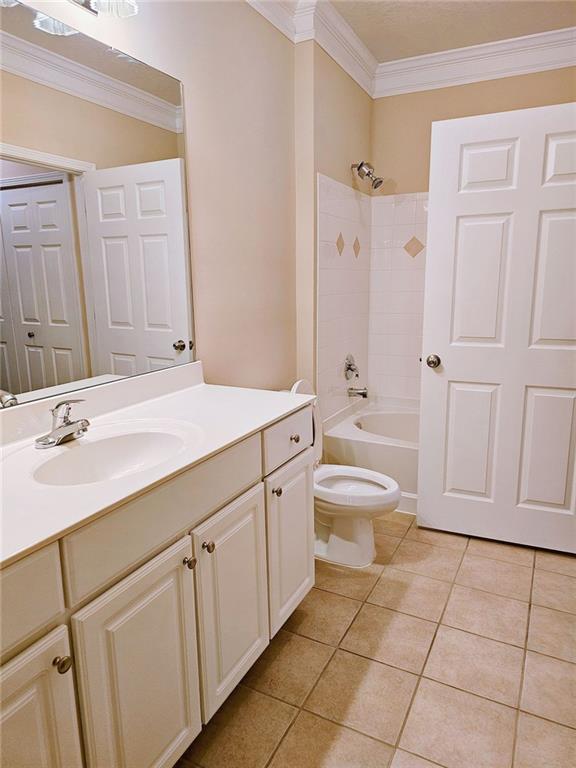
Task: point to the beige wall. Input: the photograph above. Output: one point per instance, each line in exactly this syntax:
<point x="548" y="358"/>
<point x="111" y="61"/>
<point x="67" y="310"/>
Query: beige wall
<point x="401" y="124"/>
<point x="238" y="77"/>
<point x="342" y="120"/>
<point x="77" y="128"/>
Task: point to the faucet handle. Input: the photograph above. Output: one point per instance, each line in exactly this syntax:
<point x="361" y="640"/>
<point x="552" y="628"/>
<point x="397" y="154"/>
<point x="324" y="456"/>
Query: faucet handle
<point x="66" y="406"/>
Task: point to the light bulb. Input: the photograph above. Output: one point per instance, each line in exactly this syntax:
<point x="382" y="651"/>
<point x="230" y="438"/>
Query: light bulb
<point x="52" y="26"/>
<point x="120" y="8"/>
<point x="8" y="3"/>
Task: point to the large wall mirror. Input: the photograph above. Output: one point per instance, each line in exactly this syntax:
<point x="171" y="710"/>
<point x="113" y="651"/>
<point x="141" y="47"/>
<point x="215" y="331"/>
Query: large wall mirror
<point x="94" y="253"/>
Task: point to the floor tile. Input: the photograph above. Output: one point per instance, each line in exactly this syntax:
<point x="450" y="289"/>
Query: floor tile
<point x="427" y="560"/>
<point x="350" y="582"/>
<point x="385" y="547"/>
<point x="394" y="523"/>
<point x="540" y="743"/>
<point x="365" y="695"/>
<point x="553" y="633"/>
<point x="243" y="733"/>
<point x="406" y="760"/>
<point x="549" y="689"/>
<point x="498" y="550"/>
<point x="289" y="667"/>
<point x="476" y="664"/>
<point x="457" y="729"/>
<point x="499" y="618"/>
<point x="390" y="637"/>
<point x="495" y="576"/>
<point x="323" y="616"/>
<point x="410" y="593"/>
<point x="316" y="743"/>
<point x="556" y="561"/>
<point x="553" y="590"/>
<point x="439" y="538"/>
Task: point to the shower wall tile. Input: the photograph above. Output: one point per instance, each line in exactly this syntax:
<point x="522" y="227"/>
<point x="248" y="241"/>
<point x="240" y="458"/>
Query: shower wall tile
<point x="396" y="295"/>
<point x="344" y="218"/>
<point x="370" y="302"/>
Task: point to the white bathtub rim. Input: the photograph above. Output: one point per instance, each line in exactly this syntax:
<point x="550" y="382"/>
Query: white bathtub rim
<point x="348" y="429"/>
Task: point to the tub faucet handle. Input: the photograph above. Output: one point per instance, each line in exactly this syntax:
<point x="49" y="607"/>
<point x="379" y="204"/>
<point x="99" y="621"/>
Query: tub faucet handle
<point x="351" y="370"/>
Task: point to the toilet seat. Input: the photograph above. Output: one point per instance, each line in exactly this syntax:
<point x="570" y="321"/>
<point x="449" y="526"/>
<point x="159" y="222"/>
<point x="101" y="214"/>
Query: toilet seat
<point x="348" y="486"/>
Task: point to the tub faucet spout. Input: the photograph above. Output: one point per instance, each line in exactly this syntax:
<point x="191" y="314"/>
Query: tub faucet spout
<point x="358" y="392"/>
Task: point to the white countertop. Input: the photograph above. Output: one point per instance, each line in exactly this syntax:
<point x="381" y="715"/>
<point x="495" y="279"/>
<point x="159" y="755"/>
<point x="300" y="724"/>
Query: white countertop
<point x="35" y="514"/>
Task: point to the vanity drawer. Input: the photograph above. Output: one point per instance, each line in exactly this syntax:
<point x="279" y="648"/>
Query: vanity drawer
<point x="287" y="438"/>
<point x="32" y="596"/>
<point x="103" y="551"/>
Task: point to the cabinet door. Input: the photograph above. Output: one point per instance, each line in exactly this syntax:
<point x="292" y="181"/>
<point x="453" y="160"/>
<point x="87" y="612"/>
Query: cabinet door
<point x="290" y="521"/>
<point x="137" y="666"/>
<point x="38" y="724"/>
<point x="231" y="584"/>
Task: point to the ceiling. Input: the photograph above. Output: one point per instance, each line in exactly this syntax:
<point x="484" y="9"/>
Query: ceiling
<point x="85" y="50"/>
<point x="398" y="29"/>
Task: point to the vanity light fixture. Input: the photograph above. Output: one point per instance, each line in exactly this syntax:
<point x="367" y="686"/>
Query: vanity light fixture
<point x="53" y="26"/>
<point x="8" y="3"/>
<point x="122" y="9"/>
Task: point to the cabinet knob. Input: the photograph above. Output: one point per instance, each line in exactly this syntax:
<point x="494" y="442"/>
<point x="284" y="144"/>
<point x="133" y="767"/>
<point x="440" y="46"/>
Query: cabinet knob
<point x="277" y="491"/>
<point x="62" y="663"/>
<point x="294" y="438"/>
<point x="189" y="562"/>
<point x="209" y="546"/>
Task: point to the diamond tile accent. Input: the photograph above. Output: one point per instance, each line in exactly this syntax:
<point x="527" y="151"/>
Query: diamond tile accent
<point x="413" y="247"/>
<point x="340" y="243"/>
<point x="356" y="247"/>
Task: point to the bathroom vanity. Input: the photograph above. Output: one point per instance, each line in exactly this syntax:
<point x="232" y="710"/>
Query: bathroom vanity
<point x="146" y="565"/>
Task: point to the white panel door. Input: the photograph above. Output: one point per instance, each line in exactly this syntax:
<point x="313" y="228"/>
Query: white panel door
<point x="138" y="297"/>
<point x="137" y="666"/>
<point x="43" y="284"/>
<point x="38" y="723"/>
<point x="9" y="377"/>
<point x="290" y="525"/>
<point x="232" y="593"/>
<point x="498" y="424"/>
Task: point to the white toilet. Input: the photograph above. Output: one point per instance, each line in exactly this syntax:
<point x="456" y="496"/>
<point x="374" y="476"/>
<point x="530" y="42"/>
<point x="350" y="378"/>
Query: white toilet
<point x="346" y="500"/>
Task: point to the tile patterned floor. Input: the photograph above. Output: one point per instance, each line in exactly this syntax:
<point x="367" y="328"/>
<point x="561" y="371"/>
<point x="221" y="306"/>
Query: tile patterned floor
<point x="448" y="652"/>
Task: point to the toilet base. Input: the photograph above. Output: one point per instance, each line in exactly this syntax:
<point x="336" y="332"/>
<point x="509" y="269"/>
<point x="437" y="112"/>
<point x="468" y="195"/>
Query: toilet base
<point x="344" y="540"/>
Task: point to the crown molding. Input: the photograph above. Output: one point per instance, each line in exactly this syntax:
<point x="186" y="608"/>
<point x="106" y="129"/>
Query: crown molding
<point x="46" y="159"/>
<point x="489" y="61"/>
<point x="318" y="20"/>
<point x="20" y="57"/>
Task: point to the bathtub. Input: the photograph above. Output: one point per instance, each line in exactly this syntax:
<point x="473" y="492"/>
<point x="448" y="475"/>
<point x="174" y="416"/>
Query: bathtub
<point x="381" y="438"/>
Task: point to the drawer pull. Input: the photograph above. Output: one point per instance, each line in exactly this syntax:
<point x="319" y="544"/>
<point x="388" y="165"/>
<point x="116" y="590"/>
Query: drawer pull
<point x="294" y="438"/>
<point x="189" y="562"/>
<point x="277" y="491"/>
<point x="209" y="546"/>
<point x="62" y="664"/>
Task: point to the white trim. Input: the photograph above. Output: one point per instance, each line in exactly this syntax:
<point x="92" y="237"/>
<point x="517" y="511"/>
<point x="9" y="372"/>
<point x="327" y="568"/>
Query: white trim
<point x="278" y="13"/>
<point x="489" y="61"/>
<point x="32" y="179"/>
<point x="320" y="21"/>
<point x="20" y="57"/>
<point x="34" y="156"/>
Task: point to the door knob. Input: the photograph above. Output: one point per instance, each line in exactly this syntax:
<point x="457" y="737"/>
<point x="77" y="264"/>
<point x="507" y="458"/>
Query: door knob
<point x="179" y="345"/>
<point x="62" y="664"/>
<point x="433" y="361"/>
<point x="209" y="546"/>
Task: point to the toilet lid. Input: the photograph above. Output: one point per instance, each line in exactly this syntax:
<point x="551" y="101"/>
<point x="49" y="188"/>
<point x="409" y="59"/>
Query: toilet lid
<point x="303" y="387"/>
<point x="354" y="486"/>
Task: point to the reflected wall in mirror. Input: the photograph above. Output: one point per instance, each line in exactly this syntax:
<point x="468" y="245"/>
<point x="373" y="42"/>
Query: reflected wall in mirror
<point x="94" y="255"/>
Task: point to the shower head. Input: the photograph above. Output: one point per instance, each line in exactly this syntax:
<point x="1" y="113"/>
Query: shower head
<point x="365" y="170"/>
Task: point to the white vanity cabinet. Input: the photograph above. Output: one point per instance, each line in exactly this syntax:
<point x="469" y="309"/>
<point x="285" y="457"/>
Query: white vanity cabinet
<point x="290" y="528"/>
<point x="137" y="666"/>
<point x="38" y="723"/>
<point x="231" y="582"/>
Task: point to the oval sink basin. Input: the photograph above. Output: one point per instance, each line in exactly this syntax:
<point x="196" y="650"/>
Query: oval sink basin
<point x="107" y="459"/>
<point x="110" y="452"/>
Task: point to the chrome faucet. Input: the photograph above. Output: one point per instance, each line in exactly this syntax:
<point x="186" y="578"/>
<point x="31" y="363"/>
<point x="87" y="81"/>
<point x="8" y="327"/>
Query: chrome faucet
<point x="63" y="429"/>
<point x="7" y="399"/>
<point x="358" y="392"/>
